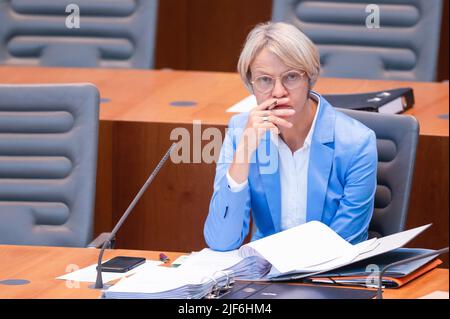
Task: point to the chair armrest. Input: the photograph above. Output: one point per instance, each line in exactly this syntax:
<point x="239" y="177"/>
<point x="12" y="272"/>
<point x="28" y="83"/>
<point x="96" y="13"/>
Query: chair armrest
<point x="100" y="240"/>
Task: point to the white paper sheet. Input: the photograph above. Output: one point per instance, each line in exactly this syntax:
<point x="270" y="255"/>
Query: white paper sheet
<point x="301" y="247"/>
<point x="211" y="260"/>
<point x="89" y="274"/>
<point x="392" y="242"/>
<point x="244" y="105"/>
<point x="438" y="294"/>
<point x="314" y="247"/>
<point x="152" y="279"/>
<point x="163" y="282"/>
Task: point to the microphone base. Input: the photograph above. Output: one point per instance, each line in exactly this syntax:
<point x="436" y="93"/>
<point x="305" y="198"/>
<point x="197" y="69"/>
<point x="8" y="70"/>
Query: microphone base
<point x="105" y="286"/>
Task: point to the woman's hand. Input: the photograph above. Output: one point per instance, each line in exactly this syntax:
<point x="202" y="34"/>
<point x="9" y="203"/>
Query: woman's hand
<point x="261" y="119"/>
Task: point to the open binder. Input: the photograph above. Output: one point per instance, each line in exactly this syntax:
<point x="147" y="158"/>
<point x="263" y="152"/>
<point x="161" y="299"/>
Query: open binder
<point x="361" y="273"/>
<point x="297" y="253"/>
<point x="206" y="274"/>
<point x="365" y="281"/>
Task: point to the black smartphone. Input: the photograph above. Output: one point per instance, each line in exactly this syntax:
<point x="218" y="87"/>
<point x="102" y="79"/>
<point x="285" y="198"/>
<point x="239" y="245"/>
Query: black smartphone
<point x="122" y="264"/>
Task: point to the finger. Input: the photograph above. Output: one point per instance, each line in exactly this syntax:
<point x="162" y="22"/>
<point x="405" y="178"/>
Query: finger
<point x="278" y="102"/>
<point x="279" y="112"/>
<point x="280" y="121"/>
<point x="268" y="116"/>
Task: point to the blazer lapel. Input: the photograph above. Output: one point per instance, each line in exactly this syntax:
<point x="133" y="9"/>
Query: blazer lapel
<point x="267" y="159"/>
<point x="320" y="161"/>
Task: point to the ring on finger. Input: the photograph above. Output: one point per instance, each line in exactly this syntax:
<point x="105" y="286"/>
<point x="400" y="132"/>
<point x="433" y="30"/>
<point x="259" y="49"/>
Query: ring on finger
<point x="265" y="118"/>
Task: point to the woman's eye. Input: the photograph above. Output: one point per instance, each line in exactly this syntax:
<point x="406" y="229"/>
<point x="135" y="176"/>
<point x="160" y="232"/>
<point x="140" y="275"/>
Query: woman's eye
<point x="265" y="80"/>
<point x="292" y="76"/>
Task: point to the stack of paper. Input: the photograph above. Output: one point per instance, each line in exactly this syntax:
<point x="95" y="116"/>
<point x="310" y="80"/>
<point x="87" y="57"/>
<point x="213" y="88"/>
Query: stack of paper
<point x="199" y="275"/>
<point x="155" y="282"/>
<point x="299" y="252"/>
<point x="314" y="248"/>
<point x="239" y="267"/>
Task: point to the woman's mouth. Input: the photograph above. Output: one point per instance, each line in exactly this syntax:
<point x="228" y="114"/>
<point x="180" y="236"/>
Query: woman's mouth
<point x="282" y="106"/>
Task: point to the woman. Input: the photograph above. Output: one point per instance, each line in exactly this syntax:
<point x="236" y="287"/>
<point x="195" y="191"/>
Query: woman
<point x="293" y="158"/>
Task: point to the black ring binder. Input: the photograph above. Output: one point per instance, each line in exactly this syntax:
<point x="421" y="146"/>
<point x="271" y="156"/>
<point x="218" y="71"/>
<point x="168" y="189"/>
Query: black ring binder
<point x="374" y="101"/>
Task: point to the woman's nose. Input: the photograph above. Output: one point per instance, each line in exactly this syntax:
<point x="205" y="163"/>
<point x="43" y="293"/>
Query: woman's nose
<point x="279" y="90"/>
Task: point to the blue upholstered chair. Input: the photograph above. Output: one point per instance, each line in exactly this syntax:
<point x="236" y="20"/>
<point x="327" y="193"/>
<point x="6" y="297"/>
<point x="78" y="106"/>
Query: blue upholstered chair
<point x="397" y="137"/>
<point x="111" y="33"/>
<point x="404" y="47"/>
<point x="48" y="160"/>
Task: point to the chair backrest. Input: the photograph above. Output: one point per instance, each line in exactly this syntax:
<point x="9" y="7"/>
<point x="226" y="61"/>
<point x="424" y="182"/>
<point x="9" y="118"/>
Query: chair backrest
<point x="397" y="137"/>
<point x="48" y="161"/>
<point x="404" y="47"/>
<point x="111" y="33"/>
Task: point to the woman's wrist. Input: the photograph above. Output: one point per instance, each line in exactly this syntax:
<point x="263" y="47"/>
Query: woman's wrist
<point x="240" y="166"/>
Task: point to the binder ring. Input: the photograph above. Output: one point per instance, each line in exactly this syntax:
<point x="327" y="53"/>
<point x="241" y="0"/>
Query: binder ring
<point x="214" y="290"/>
<point x="228" y="283"/>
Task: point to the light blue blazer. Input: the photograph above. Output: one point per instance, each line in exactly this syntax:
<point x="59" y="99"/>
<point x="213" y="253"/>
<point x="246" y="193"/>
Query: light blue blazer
<point x="341" y="183"/>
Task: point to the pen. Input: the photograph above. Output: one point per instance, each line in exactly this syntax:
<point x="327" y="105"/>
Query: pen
<point x="274" y="103"/>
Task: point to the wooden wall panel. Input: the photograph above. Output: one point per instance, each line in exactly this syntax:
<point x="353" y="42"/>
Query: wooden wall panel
<point x="207" y="35"/>
<point x="172" y="35"/>
<point x="171" y="214"/>
<point x="429" y="194"/>
<point x="104" y="195"/>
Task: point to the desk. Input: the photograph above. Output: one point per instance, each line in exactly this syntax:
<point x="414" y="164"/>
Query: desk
<point x="136" y="121"/>
<point x="41" y="265"/>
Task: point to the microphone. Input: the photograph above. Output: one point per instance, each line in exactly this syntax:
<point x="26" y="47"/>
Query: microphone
<point x="405" y="261"/>
<point x="99" y="280"/>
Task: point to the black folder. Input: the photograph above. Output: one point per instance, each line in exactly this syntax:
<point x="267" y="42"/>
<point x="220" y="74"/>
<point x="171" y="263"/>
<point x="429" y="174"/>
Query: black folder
<point x="388" y="101"/>
<point x="257" y="290"/>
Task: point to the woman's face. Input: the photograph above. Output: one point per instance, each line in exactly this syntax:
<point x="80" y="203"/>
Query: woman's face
<point x="267" y="63"/>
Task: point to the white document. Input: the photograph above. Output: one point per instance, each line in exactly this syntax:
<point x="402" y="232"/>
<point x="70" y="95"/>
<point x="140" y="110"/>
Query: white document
<point x="392" y="242"/>
<point x="244" y="105"/>
<point x="211" y="260"/>
<point x="153" y="282"/>
<point x="89" y="274"/>
<point x="314" y="247"/>
<point x="195" y="278"/>
<point x="215" y="262"/>
<point x="438" y="294"/>
<point x="302" y="248"/>
<point x="154" y="279"/>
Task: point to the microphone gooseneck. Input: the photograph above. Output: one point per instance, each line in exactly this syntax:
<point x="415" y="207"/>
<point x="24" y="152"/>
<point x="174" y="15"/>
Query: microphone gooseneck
<point x="99" y="280"/>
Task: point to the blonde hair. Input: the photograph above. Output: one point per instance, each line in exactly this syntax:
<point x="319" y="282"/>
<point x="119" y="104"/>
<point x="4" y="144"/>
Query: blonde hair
<point x="287" y="42"/>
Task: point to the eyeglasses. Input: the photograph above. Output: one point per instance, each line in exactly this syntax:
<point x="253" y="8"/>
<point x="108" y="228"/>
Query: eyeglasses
<point x="291" y="80"/>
